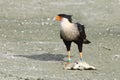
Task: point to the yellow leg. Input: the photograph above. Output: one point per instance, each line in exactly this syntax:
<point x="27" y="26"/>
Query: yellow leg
<point x="68" y="55"/>
<point x="81" y="55"/>
<point x="69" y="59"/>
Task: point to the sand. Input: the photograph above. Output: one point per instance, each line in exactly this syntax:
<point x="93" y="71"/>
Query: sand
<point x="31" y="49"/>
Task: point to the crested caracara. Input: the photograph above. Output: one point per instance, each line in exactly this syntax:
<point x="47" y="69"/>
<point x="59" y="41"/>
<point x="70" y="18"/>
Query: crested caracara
<point x="71" y="32"/>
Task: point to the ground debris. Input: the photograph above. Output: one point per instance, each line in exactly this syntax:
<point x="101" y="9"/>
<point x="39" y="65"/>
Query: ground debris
<point x="79" y="65"/>
<point x="107" y="48"/>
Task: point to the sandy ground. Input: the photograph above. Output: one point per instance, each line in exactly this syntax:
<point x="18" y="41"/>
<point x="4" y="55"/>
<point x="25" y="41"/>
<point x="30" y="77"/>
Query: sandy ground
<point x="30" y="47"/>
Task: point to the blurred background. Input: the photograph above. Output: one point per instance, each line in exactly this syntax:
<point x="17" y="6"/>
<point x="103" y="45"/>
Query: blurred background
<point x="28" y="33"/>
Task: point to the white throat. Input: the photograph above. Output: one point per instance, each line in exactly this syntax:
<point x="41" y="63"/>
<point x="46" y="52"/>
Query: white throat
<point x="65" y="23"/>
<point x="68" y="30"/>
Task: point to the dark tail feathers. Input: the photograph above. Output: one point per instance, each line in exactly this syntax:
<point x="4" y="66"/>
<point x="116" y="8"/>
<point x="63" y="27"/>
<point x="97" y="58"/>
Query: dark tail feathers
<point x="85" y="41"/>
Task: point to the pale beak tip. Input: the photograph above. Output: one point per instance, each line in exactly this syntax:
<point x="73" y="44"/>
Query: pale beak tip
<point x="54" y="18"/>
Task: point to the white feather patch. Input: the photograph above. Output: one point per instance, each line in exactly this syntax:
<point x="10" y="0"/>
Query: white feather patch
<point x="69" y="31"/>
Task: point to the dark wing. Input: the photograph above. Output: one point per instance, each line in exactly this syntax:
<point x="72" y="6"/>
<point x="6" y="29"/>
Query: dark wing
<point x="61" y="35"/>
<point x="81" y="29"/>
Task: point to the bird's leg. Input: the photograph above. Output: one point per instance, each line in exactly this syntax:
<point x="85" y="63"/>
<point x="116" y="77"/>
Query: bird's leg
<point x="69" y="59"/>
<point x="68" y="45"/>
<point x="81" y="55"/>
<point x="80" y="45"/>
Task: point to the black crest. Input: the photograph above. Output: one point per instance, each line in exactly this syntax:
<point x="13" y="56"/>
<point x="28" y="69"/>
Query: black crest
<point x="69" y="17"/>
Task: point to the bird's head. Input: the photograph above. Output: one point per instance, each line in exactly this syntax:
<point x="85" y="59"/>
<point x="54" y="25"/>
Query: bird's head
<point x="59" y="17"/>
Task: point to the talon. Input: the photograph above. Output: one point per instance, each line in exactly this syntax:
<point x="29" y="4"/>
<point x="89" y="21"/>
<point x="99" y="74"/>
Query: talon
<point x="69" y="61"/>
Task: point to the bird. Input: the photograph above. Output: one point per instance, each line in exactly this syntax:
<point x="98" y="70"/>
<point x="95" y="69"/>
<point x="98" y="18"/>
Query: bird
<point x="72" y="33"/>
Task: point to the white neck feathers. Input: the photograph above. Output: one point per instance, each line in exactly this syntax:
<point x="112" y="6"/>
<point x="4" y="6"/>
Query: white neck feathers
<point x="65" y="23"/>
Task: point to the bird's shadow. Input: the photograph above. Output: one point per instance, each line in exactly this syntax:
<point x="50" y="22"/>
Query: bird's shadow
<point x="45" y="57"/>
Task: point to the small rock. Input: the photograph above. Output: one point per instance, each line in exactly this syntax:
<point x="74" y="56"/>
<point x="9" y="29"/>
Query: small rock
<point x="116" y="57"/>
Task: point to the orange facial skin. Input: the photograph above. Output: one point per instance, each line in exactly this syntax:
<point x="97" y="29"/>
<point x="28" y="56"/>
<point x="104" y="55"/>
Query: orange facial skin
<point x="59" y="18"/>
